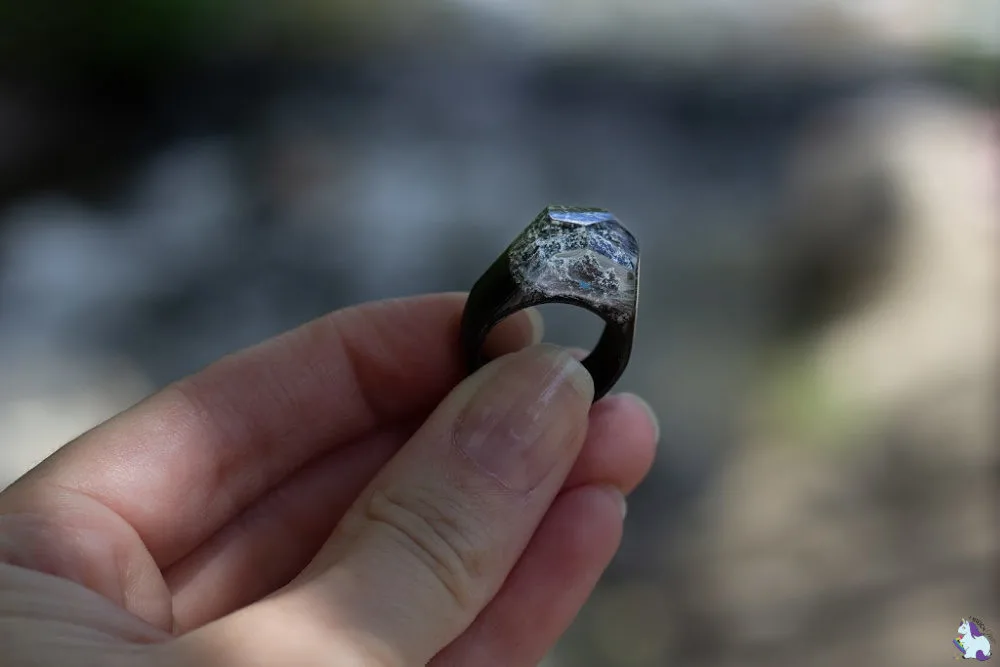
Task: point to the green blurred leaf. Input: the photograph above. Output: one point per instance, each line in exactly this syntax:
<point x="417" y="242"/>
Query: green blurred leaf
<point x="60" y="35"/>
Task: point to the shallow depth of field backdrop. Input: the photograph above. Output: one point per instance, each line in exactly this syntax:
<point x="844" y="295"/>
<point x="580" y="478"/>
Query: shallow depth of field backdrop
<point x="814" y="186"/>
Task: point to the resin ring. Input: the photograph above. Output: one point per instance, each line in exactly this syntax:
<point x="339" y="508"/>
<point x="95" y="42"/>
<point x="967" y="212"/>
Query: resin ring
<point x="578" y="256"/>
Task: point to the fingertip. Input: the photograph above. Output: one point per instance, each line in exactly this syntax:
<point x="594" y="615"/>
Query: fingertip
<point x="522" y="417"/>
<point x="616" y="496"/>
<point x="589" y="520"/>
<point x="537" y="323"/>
<point x="654" y="421"/>
<point x="521" y="329"/>
<point x="620" y="445"/>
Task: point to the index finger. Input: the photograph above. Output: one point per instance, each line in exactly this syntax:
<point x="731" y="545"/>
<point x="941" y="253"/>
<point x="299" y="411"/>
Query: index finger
<point x="183" y="462"/>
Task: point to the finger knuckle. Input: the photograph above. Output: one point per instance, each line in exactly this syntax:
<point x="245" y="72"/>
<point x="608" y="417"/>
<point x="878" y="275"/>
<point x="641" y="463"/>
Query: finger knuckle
<point x="434" y="531"/>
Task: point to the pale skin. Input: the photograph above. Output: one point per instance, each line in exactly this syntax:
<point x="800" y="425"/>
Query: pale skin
<point x="336" y="496"/>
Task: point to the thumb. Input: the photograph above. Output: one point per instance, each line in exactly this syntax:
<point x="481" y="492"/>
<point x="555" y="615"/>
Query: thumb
<point x="431" y="540"/>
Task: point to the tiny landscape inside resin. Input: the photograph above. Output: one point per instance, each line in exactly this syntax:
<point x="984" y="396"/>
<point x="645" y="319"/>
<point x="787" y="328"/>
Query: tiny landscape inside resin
<point x="578" y="253"/>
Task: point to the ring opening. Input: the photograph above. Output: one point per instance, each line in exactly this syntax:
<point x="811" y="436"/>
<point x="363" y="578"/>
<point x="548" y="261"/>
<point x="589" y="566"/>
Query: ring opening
<point x="571" y="326"/>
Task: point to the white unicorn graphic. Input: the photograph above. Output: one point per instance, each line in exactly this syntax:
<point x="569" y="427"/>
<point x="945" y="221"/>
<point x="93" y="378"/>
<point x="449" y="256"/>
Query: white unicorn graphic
<point x="973" y="640"/>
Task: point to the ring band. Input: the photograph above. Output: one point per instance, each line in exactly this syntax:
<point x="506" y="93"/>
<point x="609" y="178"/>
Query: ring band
<point x="578" y="256"/>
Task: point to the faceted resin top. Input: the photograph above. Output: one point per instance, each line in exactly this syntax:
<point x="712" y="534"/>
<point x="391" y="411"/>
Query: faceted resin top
<point x="581" y="253"/>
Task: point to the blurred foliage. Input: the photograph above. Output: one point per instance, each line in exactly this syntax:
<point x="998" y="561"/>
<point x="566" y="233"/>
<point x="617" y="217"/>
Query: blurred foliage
<point x="802" y="406"/>
<point x="977" y="72"/>
<point x="62" y="36"/>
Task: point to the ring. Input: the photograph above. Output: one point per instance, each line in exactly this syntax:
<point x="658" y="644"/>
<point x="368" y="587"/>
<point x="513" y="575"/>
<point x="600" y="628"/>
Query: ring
<point x="578" y="256"/>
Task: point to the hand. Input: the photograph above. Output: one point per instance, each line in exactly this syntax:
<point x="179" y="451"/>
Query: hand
<point x="337" y="495"/>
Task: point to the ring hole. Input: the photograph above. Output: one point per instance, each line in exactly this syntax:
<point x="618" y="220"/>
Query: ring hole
<point x="571" y="326"/>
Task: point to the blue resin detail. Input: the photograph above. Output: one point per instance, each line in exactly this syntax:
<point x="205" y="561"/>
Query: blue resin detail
<point x="619" y="248"/>
<point x="579" y="216"/>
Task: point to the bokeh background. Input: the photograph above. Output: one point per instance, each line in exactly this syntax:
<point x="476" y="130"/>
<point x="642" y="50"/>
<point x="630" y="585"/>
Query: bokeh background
<point x="814" y="186"/>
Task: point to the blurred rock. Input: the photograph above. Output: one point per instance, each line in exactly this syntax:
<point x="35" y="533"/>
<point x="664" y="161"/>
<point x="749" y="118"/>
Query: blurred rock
<point x="814" y="534"/>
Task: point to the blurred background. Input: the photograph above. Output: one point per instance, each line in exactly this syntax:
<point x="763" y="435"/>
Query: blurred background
<point x="814" y="186"/>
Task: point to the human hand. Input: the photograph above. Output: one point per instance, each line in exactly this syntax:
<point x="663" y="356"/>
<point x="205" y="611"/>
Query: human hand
<point x="337" y="495"/>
